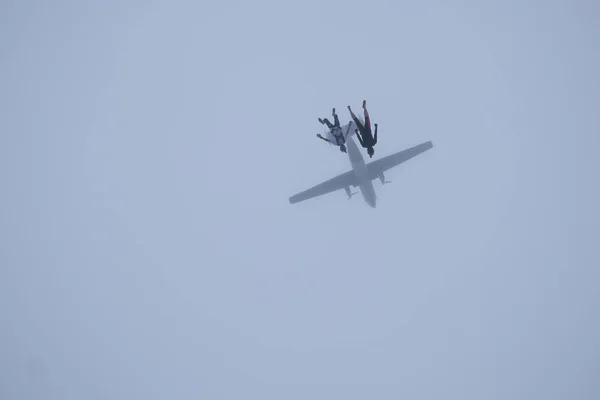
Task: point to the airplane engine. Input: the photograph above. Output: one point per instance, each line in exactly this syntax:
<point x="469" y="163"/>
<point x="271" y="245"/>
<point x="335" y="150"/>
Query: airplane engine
<point x="347" y="189"/>
<point x="382" y="178"/>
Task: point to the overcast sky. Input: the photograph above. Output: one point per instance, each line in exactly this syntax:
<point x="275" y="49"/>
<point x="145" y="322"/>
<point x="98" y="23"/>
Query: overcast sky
<point x="148" y="250"/>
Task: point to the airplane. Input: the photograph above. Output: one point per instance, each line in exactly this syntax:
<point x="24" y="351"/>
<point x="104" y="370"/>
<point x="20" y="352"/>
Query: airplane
<point x="361" y="175"/>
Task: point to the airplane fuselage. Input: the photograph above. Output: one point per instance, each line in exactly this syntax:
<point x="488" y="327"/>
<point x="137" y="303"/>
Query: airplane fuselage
<point x="361" y="171"/>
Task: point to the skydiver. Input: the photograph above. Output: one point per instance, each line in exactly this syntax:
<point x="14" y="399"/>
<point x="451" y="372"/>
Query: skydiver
<point x="339" y="138"/>
<point x="336" y="131"/>
<point x="365" y="137"/>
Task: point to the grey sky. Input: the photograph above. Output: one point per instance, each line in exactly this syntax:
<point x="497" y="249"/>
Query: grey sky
<point x="148" y="150"/>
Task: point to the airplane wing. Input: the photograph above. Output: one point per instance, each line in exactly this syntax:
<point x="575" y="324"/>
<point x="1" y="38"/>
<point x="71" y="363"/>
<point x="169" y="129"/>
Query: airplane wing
<point x="383" y="164"/>
<point x="339" y="182"/>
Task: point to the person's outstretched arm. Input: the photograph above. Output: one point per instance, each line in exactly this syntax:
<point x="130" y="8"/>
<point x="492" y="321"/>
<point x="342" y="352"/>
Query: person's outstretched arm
<point x="321" y="137"/>
<point x="375" y="138"/>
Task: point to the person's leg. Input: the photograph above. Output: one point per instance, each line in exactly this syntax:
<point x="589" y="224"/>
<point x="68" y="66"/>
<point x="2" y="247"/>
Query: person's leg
<point x="336" y="120"/>
<point x="366" y="131"/>
<point x="367" y="118"/>
<point x="355" y="119"/>
<point x="325" y="121"/>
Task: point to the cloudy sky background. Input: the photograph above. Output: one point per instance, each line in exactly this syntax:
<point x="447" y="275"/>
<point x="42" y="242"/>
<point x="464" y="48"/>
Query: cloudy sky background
<point x="148" y="250"/>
